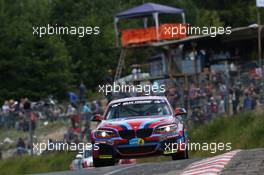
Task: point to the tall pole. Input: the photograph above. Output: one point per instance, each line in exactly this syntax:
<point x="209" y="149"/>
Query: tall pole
<point x="227" y="82"/>
<point x="116" y="31"/>
<point x="259" y="38"/>
<point x="27" y="110"/>
<point x="79" y="113"/>
<point x="193" y="44"/>
<point x="156" y="18"/>
<point x="30" y="133"/>
<point x="80" y="106"/>
<point x="259" y="44"/>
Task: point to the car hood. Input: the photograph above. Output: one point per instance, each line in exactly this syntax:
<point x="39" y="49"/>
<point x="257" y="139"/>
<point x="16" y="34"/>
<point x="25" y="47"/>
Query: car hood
<point x="134" y="123"/>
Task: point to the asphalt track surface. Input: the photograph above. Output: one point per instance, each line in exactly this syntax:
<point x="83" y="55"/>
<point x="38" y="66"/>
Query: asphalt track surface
<point x="249" y="162"/>
<point x="134" y="169"/>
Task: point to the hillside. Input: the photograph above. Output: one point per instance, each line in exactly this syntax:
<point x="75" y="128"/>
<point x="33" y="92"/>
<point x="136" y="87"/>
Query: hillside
<point x="244" y="131"/>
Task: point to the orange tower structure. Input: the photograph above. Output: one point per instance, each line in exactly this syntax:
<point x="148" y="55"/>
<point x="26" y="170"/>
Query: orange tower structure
<point x="147" y="34"/>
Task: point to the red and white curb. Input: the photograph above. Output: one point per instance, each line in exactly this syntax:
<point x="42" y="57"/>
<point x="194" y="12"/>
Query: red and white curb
<point x="209" y="166"/>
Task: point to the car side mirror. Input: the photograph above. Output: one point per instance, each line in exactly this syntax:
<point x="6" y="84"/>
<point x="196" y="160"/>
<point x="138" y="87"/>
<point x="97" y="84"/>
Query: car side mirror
<point x="181" y="112"/>
<point x="97" y="118"/>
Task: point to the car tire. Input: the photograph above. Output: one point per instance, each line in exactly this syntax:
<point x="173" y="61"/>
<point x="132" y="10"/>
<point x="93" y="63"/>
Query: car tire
<point x="180" y="155"/>
<point x="103" y="162"/>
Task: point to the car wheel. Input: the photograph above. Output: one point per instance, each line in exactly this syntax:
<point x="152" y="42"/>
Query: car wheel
<point x="103" y="162"/>
<point x="180" y="155"/>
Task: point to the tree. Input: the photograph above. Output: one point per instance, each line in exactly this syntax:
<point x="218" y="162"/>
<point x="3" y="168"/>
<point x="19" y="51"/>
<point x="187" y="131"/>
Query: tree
<point x="36" y="67"/>
<point x="29" y="65"/>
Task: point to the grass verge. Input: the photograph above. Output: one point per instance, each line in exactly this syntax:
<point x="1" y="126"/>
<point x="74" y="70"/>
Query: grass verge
<point x="37" y="164"/>
<point x="243" y="131"/>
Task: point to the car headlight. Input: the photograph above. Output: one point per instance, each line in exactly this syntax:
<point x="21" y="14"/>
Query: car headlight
<point x="166" y="129"/>
<point x="105" y="134"/>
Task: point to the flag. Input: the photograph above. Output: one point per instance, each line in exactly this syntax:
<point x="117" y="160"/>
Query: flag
<point x="72" y="97"/>
<point x="260" y="3"/>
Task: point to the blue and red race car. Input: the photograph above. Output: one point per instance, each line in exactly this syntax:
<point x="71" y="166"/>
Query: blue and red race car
<point x="138" y="127"/>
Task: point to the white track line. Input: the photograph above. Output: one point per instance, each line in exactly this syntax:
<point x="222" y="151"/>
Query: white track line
<point x="208" y="162"/>
<point x="214" y="158"/>
<point x="218" y="167"/>
<point x="121" y="169"/>
<point x="204" y="172"/>
<point x="202" y="165"/>
<point x="209" y="166"/>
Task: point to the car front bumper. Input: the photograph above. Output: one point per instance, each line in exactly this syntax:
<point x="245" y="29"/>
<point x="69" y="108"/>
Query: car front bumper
<point x="154" y="145"/>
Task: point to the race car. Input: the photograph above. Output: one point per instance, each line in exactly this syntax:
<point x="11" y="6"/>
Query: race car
<point x="139" y="127"/>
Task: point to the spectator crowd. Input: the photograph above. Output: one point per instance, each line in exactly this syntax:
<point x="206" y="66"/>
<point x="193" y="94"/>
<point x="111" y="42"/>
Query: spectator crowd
<point x="16" y="114"/>
<point x="222" y="95"/>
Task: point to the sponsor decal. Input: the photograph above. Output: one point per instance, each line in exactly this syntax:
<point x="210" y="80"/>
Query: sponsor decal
<point x="105" y="156"/>
<point x="172" y="136"/>
<point x="136" y="141"/>
<point x="141" y="142"/>
<point x="169" y="151"/>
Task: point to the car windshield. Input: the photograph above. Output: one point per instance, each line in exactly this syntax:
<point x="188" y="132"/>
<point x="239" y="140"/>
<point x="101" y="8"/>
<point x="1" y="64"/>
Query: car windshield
<point x="138" y="108"/>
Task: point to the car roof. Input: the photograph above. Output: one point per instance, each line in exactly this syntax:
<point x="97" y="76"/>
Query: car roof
<point x="139" y="98"/>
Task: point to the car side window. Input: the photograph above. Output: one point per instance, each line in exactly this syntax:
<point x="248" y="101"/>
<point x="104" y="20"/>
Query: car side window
<point x="112" y="113"/>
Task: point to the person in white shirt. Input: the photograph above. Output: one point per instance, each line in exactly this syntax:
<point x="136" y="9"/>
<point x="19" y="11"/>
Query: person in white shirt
<point x="5" y="108"/>
<point x="5" y="112"/>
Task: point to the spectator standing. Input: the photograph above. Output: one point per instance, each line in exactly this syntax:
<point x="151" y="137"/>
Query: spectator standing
<point x="191" y="95"/>
<point x="95" y="107"/>
<point x="26" y="104"/>
<point x="235" y="92"/>
<point x="248" y="102"/>
<point x="172" y="97"/>
<point x="135" y="73"/>
<point x="224" y="95"/>
<point x="21" y="146"/>
<point x="5" y="107"/>
<point x="221" y="106"/>
<point x="82" y="92"/>
<point x="5" y="112"/>
<point x="11" y="116"/>
<point x="86" y="111"/>
<point x="70" y="110"/>
<point x="71" y="113"/>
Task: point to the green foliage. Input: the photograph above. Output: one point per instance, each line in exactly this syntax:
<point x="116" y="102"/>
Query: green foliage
<point x="39" y="164"/>
<point x="243" y="131"/>
<point x="209" y="18"/>
<point x="30" y="66"/>
<point x="36" y="67"/>
<point x="234" y="13"/>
